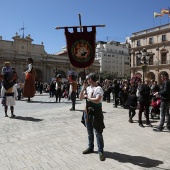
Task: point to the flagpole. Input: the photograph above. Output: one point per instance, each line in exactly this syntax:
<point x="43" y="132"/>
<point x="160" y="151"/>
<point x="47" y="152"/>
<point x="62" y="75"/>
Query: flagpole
<point x="84" y="68"/>
<point x="153" y="22"/>
<point x="81" y="31"/>
<point x="80" y="22"/>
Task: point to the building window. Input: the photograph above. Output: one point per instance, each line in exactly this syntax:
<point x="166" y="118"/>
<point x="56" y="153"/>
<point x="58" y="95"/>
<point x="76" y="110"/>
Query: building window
<point x="138" y="61"/>
<point x="138" y="43"/>
<point x="151" y="60"/>
<point x="151" y="40"/>
<point x="164" y="37"/>
<point x="163" y="58"/>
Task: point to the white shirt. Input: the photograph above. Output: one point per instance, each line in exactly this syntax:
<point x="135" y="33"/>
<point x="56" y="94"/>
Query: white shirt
<point x="14" y="90"/>
<point x="29" y="68"/>
<point x="95" y="91"/>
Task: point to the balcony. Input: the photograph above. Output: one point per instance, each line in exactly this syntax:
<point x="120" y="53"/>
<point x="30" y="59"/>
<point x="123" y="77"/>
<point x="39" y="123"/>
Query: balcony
<point x="156" y="63"/>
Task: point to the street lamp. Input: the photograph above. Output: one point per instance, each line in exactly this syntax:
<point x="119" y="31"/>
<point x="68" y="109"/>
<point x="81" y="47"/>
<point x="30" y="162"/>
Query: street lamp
<point x="144" y="57"/>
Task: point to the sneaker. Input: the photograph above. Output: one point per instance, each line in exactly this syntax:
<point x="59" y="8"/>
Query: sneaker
<point x="149" y="124"/>
<point x="102" y="157"/>
<point x="6" y="115"/>
<point x="168" y="128"/>
<point x="88" y="150"/>
<point x="158" y="129"/>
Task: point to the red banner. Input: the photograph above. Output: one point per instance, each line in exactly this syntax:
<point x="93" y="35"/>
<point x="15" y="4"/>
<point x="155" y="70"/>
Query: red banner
<point x="81" y="46"/>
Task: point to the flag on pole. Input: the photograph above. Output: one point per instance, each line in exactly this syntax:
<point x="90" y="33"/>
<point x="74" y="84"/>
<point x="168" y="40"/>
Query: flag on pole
<point x="165" y="11"/>
<point x="81" y="46"/>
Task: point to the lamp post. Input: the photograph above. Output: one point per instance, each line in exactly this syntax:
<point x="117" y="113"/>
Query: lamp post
<point x="144" y="57"/>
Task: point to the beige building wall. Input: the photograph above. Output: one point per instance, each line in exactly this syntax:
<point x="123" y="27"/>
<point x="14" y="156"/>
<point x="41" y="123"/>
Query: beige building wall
<point x="156" y="41"/>
<point x="46" y="65"/>
<point x="114" y="58"/>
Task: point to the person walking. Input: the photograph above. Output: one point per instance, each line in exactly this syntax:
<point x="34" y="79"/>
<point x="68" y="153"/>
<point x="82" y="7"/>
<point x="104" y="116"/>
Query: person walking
<point x="58" y="88"/>
<point x="132" y="104"/>
<point x="52" y="88"/>
<point x="144" y="102"/>
<point x="116" y="93"/>
<point x="93" y="117"/>
<point x="73" y="88"/>
<point x="165" y="103"/>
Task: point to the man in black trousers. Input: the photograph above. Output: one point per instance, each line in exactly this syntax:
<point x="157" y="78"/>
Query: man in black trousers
<point x="165" y="103"/>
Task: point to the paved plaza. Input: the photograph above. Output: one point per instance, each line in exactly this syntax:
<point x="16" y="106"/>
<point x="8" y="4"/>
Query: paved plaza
<point x="54" y="139"/>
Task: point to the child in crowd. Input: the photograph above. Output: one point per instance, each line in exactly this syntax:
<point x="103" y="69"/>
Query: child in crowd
<point x="155" y="104"/>
<point x="9" y="96"/>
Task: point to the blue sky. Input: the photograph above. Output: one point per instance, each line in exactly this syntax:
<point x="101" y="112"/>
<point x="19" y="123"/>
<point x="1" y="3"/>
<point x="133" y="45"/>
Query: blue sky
<point x="40" y="17"/>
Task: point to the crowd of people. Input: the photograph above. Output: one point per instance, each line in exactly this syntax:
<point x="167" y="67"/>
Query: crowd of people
<point x="143" y="97"/>
<point x="147" y="98"/>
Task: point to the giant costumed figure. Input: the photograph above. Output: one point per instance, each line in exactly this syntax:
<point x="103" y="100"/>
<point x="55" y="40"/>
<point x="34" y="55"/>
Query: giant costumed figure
<point x="29" y="84"/>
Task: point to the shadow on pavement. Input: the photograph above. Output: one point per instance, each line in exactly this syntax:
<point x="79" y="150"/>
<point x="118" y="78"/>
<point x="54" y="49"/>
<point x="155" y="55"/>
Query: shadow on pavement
<point x="40" y="102"/>
<point x="36" y="101"/>
<point x="144" y="121"/>
<point x="79" y="110"/>
<point x="135" y="160"/>
<point x="28" y="119"/>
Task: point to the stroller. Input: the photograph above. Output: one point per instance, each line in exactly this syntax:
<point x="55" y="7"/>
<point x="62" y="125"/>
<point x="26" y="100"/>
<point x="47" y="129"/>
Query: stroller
<point x="155" y="107"/>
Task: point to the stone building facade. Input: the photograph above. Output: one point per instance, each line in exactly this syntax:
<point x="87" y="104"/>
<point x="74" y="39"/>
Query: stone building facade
<point x="157" y="43"/>
<point x="46" y="65"/>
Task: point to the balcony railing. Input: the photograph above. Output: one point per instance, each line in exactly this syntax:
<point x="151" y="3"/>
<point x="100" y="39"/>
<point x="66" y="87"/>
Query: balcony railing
<point x="156" y="63"/>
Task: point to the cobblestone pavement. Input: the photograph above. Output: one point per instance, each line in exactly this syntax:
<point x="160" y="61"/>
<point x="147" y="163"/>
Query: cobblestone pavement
<point x="55" y="138"/>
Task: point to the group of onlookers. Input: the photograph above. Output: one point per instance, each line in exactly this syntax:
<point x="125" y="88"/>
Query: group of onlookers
<point x="64" y="90"/>
<point x="148" y="97"/>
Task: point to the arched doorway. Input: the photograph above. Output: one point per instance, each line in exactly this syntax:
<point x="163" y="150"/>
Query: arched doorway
<point x="39" y="75"/>
<point x="159" y="76"/>
<point x="150" y="76"/>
